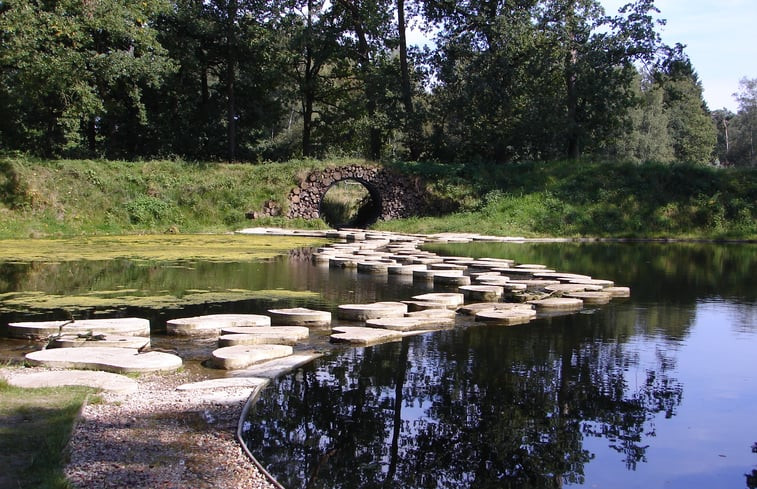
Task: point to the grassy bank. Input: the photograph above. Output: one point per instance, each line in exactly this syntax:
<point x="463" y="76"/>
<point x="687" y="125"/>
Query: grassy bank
<point x="584" y="198"/>
<point x="567" y="198"/>
<point x="35" y="425"/>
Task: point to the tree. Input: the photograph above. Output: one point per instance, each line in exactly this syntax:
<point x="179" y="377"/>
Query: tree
<point x="744" y="125"/>
<point x="73" y="73"/>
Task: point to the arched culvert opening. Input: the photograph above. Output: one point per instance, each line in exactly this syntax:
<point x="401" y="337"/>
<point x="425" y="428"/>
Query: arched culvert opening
<point x="350" y="203"/>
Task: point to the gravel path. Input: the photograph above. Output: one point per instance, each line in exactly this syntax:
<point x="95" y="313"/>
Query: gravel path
<point x="162" y="438"/>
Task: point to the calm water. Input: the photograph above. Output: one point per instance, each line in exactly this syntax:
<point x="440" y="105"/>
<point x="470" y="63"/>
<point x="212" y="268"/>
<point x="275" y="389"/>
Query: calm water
<point x="659" y="390"/>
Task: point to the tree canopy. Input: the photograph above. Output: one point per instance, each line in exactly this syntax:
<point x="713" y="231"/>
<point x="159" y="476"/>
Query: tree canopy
<point x="502" y="80"/>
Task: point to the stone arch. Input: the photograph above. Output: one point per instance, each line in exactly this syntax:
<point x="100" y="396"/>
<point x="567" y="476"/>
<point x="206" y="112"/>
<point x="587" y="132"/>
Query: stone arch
<point x="397" y="195"/>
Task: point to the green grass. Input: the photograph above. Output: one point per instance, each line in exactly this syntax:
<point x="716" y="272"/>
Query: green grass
<point x="35" y="426"/>
<point x="598" y="199"/>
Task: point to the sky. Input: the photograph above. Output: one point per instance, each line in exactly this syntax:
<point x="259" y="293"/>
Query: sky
<point x="720" y="38"/>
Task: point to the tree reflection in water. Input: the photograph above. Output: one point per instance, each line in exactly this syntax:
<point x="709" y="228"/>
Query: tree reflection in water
<point x="480" y="407"/>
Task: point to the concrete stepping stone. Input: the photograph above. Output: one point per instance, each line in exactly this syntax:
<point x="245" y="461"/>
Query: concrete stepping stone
<point x="43" y="329"/>
<point x="479" y="293"/>
<point x="404" y="269"/>
<point x="99" y="340"/>
<point x="276" y="367"/>
<point x="472" y="309"/>
<point x="109" y="359"/>
<point x="510" y="286"/>
<point x="489" y="264"/>
<point x="433" y="313"/>
<point x="594" y="281"/>
<point x="447" y="266"/>
<point x="343" y="262"/>
<point x="427" y="260"/>
<point x="618" y="291"/>
<point x="376" y="310"/>
<point x="373" y="267"/>
<point x="564" y="288"/>
<point x="533" y="284"/>
<point x="414" y="306"/>
<point x="499" y="281"/>
<point x="451" y="299"/>
<point x="56" y="378"/>
<point x="277" y="335"/>
<point x="428" y="275"/>
<point x="561" y="276"/>
<point x="451" y="278"/>
<point x="212" y="324"/>
<point x="363" y="336"/>
<point x="300" y="316"/>
<point x="558" y="304"/>
<point x="505" y="317"/>
<point x="242" y="356"/>
<point x="410" y="323"/>
<point x="224" y="383"/>
<point x="532" y="266"/>
<point x="589" y="297"/>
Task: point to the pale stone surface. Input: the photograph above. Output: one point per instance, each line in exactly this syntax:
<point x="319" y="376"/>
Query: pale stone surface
<point x="116" y="360"/>
<point x="99" y="340"/>
<point x="43" y="329"/>
<point x="414" y="306"/>
<point x="410" y="323"/>
<point x="561" y="276"/>
<point x="404" y="269"/>
<point x="300" y="316"/>
<point x="594" y="281"/>
<point x="487" y="293"/>
<point x="558" y="304"/>
<point x="450" y="299"/>
<point x="504" y="317"/>
<point x="55" y="378"/>
<point x="276" y="367"/>
<point x="363" y="312"/>
<point x="363" y="336"/>
<point x="487" y="280"/>
<point x="534" y="284"/>
<point x="433" y="313"/>
<point x="277" y="335"/>
<point x="224" y="383"/>
<point x="472" y="309"/>
<point x="618" y="291"/>
<point x="212" y="324"/>
<point x="428" y="275"/>
<point x="590" y="297"/>
<point x="447" y="266"/>
<point x="450" y="278"/>
<point x="563" y="288"/>
<point x="373" y="267"/>
<point x="242" y="356"/>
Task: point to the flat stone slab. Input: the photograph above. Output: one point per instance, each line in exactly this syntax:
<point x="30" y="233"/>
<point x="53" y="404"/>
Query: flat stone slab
<point x="590" y="297"/>
<point x="224" y="383"/>
<point x="410" y="323"/>
<point x="558" y="304"/>
<point x="486" y="293"/>
<point x="276" y="367"/>
<point x="212" y="324"/>
<point x="492" y="280"/>
<point x="363" y="336"/>
<point x="55" y="378"/>
<point x="618" y="291"/>
<point x="564" y="288"/>
<point x="535" y="284"/>
<point x="376" y="310"/>
<point x="414" y="306"/>
<point x="404" y="269"/>
<point x="373" y="267"/>
<point x="504" y="317"/>
<point x="433" y="313"/>
<point x="99" y="340"/>
<point x="594" y="281"/>
<point x="451" y="299"/>
<point x="447" y="266"/>
<point x="449" y="277"/>
<point x="242" y="356"/>
<point x="277" y="335"/>
<point x="109" y="359"/>
<point x="300" y="316"/>
<point x="473" y="309"/>
<point x="44" y="329"/>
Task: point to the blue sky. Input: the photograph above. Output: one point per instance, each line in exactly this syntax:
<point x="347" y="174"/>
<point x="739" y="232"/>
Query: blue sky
<point x="720" y="38"/>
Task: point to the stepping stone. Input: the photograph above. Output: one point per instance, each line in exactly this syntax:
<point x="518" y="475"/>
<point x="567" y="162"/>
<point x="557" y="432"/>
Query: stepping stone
<point x="427" y="260"/>
<point x="42" y="329"/>
<point x="451" y="278"/>
<point x="55" y="378"/>
<point x="446" y="266"/>
<point x="534" y="284"/>
<point x="300" y="316"/>
<point x="212" y="324"/>
<point x="242" y="356"/>
<point x="498" y="281"/>
<point x="342" y="262"/>
<point x="404" y="269"/>
<point x="618" y="291"/>
<point x="109" y="359"/>
<point x="478" y="293"/>
<point x="504" y="317"/>
<point x="410" y="323"/>
<point x="519" y="272"/>
<point x="428" y="275"/>
<point x="376" y="310"/>
<point x="511" y="286"/>
<point x="472" y="309"/>
<point x="224" y="383"/>
<point x="372" y="267"/>
<point x="363" y="336"/>
<point x="594" y="281"/>
<point x="564" y="288"/>
<point x="276" y="367"/>
<point x="489" y="264"/>
<point x="594" y="298"/>
<point x="558" y="304"/>
<point x="433" y="313"/>
<point x="531" y="266"/>
<point x="562" y="277"/>
<point x="99" y="340"/>
<point x="414" y="306"/>
<point x="451" y="299"/>
<point x="278" y="335"/>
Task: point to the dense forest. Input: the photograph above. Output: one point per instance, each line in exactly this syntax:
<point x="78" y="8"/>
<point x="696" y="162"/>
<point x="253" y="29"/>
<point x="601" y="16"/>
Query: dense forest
<point x="251" y="80"/>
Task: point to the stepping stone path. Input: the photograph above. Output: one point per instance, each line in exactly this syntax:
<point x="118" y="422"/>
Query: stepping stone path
<point x="277" y="335"/>
<point x="473" y="309"/>
<point x="364" y="336"/>
<point x="486" y="293"/>
<point x="451" y="299"/>
<point x="211" y="325"/>
<point x="506" y="317"/>
<point x="410" y="323"/>
<point x="558" y="304"/>
<point x="242" y="356"/>
<point x="99" y="340"/>
<point x="300" y="316"/>
<point x="43" y="329"/>
<point x="376" y="310"/>
<point x="109" y="359"/>
<point x="593" y="298"/>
